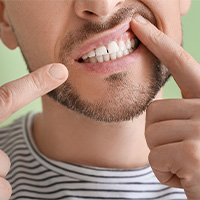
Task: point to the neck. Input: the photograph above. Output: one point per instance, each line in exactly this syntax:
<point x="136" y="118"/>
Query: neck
<point x="64" y="135"/>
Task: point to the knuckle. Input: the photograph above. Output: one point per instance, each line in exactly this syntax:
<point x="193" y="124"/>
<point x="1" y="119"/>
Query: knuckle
<point x="156" y="36"/>
<point x="6" y="98"/>
<point x="188" y="180"/>
<point x="37" y="82"/>
<point x="164" y="178"/>
<point x="154" y="158"/>
<point x="183" y="54"/>
<point x="192" y="152"/>
<point x="5" y="189"/>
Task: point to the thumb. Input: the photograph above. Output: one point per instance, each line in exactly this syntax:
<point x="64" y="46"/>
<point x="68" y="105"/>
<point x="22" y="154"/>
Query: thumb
<point x="16" y="94"/>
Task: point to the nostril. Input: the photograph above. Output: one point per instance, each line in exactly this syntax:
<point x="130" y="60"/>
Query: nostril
<point x="120" y="2"/>
<point x="89" y="12"/>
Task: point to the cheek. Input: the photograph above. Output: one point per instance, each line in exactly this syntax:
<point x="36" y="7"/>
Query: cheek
<point x="38" y="43"/>
<point x="39" y="50"/>
<point x="38" y="27"/>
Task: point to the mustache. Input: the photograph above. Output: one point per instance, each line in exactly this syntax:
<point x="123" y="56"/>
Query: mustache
<point x="74" y="38"/>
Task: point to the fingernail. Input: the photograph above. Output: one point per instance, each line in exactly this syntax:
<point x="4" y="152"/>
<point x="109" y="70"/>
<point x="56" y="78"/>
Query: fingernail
<point x="141" y="19"/>
<point x="57" y="71"/>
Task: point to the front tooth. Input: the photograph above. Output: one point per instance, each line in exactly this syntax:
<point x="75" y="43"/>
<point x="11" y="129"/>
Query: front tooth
<point x="100" y="59"/>
<point x="113" y="56"/>
<point x="93" y="60"/>
<point x="128" y="44"/>
<point x="84" y="57"/>
<point x="119" y="54"/>
<point x="101" y="51"/>
<point x="106" y="57"/>
<point x="132" y="43"/>
<point x="113" y="47"/>
<point x="122" y="45"/>
<point x="91" y="54"/>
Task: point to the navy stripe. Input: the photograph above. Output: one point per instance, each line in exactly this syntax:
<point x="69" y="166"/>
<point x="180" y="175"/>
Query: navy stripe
<point x="17" y="160"/>
<point x="31" y="179"/>
<point x="9" y="149"/>
<point x="93" y="197"/>
<point x="14" y="153"/>
<point x="89" y="190"/>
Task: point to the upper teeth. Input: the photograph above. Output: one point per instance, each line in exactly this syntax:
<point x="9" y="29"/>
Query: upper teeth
<point x="101" y="51"/>
<point x="113" y="47"/>
<point x="112" y="52"/>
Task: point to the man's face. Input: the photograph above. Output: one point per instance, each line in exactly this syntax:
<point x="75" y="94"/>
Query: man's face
<point x="116" y="88"/>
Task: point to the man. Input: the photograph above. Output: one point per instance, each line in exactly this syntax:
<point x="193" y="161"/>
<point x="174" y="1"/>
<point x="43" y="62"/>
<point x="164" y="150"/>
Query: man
<point x="89" y="141"/>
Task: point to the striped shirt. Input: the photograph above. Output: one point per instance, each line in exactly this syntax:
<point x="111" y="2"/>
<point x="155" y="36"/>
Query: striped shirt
<point x="34" y="176"/>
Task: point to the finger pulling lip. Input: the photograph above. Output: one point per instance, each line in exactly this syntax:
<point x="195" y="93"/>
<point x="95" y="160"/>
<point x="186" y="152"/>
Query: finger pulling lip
<point x="102" y="39"/>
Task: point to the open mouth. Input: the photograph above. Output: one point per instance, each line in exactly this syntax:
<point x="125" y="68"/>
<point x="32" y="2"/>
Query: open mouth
<point x="123" y="46"/>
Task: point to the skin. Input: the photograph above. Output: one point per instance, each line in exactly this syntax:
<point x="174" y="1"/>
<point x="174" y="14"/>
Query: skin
<point x="171" y="125"/>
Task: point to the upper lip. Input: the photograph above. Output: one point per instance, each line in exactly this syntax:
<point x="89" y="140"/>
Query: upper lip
<point x="102" y="39"/>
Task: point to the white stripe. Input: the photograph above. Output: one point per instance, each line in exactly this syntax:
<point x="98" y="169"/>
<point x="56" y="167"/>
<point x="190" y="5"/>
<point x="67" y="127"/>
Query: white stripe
<point x="61" y="182"/>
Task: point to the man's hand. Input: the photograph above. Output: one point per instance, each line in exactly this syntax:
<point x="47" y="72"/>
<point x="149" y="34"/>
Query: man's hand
<point x="16" y="94"/>
<point x="173" y="126"/>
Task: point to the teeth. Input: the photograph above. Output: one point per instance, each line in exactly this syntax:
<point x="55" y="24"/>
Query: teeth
<point x="101" y="54"/>
<point x="125" y="52"/>
<point x="119" y="54"/>
<point x="122" y="45"/>
<point x="113" y="47"/>
<point x="128" y="44"/>
<point x="106" y="57"/>
<point x="84" y="57"/>
<point x="101" y="51"/>
<point x="93" y="60"/>
<point x="100" y="59"/>
<point x="91" y="54"/>
<point x="113" y="56"/>
<point x="130" y="50"/>
<point x="133" y="43"/>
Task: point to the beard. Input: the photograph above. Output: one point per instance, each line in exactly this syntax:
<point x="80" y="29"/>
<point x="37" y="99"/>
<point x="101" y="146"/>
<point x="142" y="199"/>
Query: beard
<point x="122" y="100"/>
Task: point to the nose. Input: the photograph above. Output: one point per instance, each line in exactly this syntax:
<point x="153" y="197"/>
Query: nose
<point x="96" y="10"/>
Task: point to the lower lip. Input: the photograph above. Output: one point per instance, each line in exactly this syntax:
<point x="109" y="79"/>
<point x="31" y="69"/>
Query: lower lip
<point x="114" y="66"/>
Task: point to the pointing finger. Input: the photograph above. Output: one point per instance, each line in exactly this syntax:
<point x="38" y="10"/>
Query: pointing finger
<point x="183" y="67"/>
<point x="16" y="94"/>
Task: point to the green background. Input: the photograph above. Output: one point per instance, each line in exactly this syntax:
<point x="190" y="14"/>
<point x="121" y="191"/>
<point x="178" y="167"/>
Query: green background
<point x="12" y="65"/>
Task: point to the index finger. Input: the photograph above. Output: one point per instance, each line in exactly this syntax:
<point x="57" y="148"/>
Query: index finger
<point x="183" y="67"/>
<point x="16" y="94"/>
